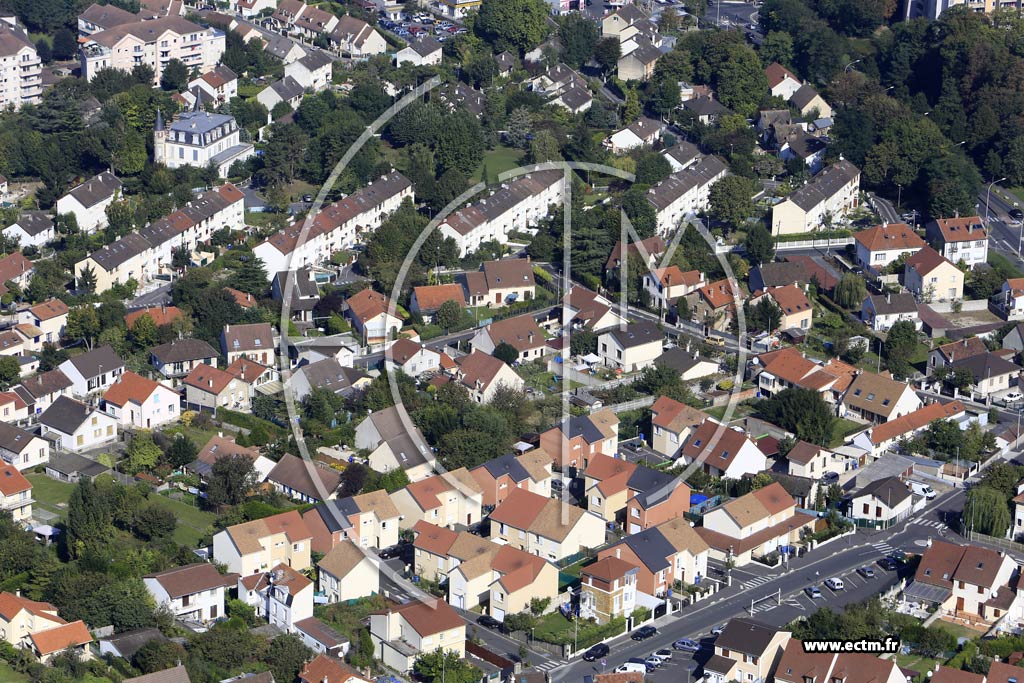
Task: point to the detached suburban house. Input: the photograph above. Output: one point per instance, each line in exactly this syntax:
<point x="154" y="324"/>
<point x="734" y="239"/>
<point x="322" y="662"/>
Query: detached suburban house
<point x="35" y="626"/>
<point x="631" y="349"/>
<point x="673" y="422"/>
<point x="89" y="201"/>
<point x="193" y="593"/>
<point x="181" y="356"/>
<point x="140" y="402"/>
<point x="960" y="239"/>
<point x="881" y="245"/>
<point x="403" y="632"/>
<point x="22" y="449"/>
<point x="369" y="312"/>
<point x="723" y="451"/>
<point x="966" y="581"/>
<point x="93" y="371"/>
<point x="930" y="276"/>
<point x="760" y="523"/>
<point x="394" y="442"/>
<point x="880" y="312"/>
<point x="747" y="650"/>
<point x="640" y="133"/>
<point x="73" y="426"/>
<point x="347" y="572"/>
<point x="521" y="333"/>
<point x="483" y="374"/>
<point x="882" y="502"/>
<point x="878" y="399"/>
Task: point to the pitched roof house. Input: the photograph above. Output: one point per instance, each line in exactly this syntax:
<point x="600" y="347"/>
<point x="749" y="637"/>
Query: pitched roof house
<point x="722" y="451"/>
<point x="261" y="544"/>
<point x="545" y="527"/>
<point x="878" y="398"/>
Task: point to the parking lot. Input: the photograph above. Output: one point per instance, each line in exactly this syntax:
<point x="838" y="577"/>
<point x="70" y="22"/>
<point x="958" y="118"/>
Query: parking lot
<point x="423" y="24"/>
<point x="633" y="450"/>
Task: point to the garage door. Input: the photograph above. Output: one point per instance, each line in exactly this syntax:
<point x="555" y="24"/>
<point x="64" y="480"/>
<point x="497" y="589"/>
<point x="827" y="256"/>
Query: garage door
<point x="498" y="613"/>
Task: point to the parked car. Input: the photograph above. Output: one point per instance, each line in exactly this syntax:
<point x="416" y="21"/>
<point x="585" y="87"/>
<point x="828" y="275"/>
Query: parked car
<point x="391" y="552"/>
<point x="490" y="622"/>
<point x="307" y="198"/>
<point x="835" y="583"/>
<point x="867" y="572"/>
<point x="813" y="592"/>
<point x="632" y="667"/>
<point x="686" y="645"/>
<point x="597" y="652"/>
<point x="644" y="632"/>
<point x="664" y="653"/>
<point x="718" y="630"/>
<point x="653" y="662"/>
<point x="1013" y="397"/>
<point x="888" y="563"/>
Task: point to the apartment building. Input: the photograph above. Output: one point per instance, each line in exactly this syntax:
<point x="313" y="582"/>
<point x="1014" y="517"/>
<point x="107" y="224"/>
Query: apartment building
<point x="962" y="238"/>
<point x="517" y="206"/>
<point x="147" y="252"/>
<point x="831" y="194"/>
<point x="154" y="43"/>
<point x="20" y="68"/>
<point x="336" y="227"/>
<point x="685" y="193"/>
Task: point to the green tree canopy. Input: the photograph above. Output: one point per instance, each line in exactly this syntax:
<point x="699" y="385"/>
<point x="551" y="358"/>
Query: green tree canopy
<point x="518" y="25"/>
<point x="801" y="411"/>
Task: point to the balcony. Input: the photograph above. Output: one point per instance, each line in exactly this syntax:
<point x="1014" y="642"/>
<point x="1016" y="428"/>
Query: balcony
<point x="12" y="504"/>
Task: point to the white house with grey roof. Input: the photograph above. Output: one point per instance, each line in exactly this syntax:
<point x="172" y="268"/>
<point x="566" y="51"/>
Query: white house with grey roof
<point x="199" y="138"/>
<point x="73" y="426"/>
<point x="422" y="52"/>
<point x="827" y="197"/>
<point x="643" y="131"/>
<point x="93" y="371"/>
<point x="313" y="71"/>
<point x="327" y="374"/>
<point x="22" y="449"/>
<point x="394" y="442"/>
<point x="632" y="348"/>
<point x="89" y="201"/>
<point x="32" y="229"/>
<point x="287" y="90"/>
<point x="181" y="356"/>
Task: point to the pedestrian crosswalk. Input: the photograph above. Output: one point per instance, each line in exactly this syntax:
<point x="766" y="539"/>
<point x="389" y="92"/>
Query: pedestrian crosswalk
<point x="755" y="582"/>
<point x="548" y="665"/>
<point x="883" y="547"/>
<point x="933" y="523"/>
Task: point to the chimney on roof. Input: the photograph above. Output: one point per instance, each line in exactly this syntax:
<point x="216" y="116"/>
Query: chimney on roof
<point x="888" y="298"/>
<point x="210" y="382"/>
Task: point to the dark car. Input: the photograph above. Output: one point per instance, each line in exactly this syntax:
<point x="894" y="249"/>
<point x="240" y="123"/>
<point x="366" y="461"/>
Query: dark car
<point x="1017" y="215"/>
<point x="644" y="632"/>
<point x="597" y="652"/>
<point x="392" y="552"/>
<point x="489" y="622"/>
<point x="888" y="563"/>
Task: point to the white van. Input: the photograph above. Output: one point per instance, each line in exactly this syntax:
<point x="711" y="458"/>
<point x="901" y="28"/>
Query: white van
<point x="630" y="667"/>
<point x="835" y="584"/>
<point x="922" y="489"/>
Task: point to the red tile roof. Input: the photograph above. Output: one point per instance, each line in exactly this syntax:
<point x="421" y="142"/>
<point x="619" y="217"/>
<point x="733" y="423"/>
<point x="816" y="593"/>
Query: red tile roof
<point x="51" y="308"/>
<point x="961" y="229"/>
<point x="430" y="616"/>
<point x="927" y="260"/>
<point x="891" y="236"/>
<point x="777" y="73"/>
<point x="432" y="538"/>
<point x="368" y="304"/>
<point x="13" y="482"/>
<point x="131" y="387"/>
<point x="718" y="294"/>
<point x="916" y="420"/>
<point x="161" y="315"/>
<point x="61" y="637"/>
<point x="430" y="298"/>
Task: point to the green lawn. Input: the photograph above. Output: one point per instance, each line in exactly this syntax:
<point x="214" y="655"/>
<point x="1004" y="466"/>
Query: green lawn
<point x="916" y="662"/>
<point x="192" y="521"/>
<point x="199" y="436"/>
<point x="50" y="494"/>
<point x="1003" y="265"/>
<point x="956" y="629"/>
<point x="841" y="428"/>
<point x="9" y="675"/>
<point x="551" y="625"/>
<point x="740" y="410"/>
<point x="498" y="160"/>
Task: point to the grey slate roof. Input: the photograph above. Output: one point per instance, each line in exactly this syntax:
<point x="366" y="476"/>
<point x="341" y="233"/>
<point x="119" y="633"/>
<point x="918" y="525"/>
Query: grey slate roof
<point x="199" y="122"/>
<point x="287" y="88"/>
<point x="746" y="636"/>
<point x="802" y="97"/>
<point x="71" y="463"/>
<point x="90" y="362"/>
<point x="65" y="414"/>
<point x="182" y="350"/>
<point x="581" y="426"/>
<point x="985" y="365"/>
<point x="329" y="373"/>
<point x="96" y="189"/>
<point x="129" y="642"/>
<point x="506" y="464"/>
<point x="636" y="334"/>
<point x="682" y="152"/>
<point x="679" y="183"/>
<point x="651" y="486"/>
<point x="824" y="185"/>
<point x="893" y="304"/>
<point x="653" y="549"/>
<point x="704" y="106"/>
<point x="425" y="46"/>
<point x="116" y="253"/>
<point x="35" y="222"/>
<point x="679" y="359"/>
<point x="315" y="59"/>
<point x="888" y="489"/>
<point x="14" y="438"/>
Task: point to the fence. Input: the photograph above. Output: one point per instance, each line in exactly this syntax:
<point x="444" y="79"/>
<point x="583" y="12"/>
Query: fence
<point x="632" y="405"/>
<point x="1001" y="543"/>
<point x="836" y="243"/>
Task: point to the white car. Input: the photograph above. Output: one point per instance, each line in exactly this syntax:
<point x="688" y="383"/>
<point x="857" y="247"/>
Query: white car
<point x="1013" y="397"/>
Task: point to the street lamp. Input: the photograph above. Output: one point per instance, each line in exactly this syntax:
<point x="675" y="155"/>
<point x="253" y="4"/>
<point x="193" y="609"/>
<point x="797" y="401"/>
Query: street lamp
<point x="988" y="195"/>
<point x="846" y="69"/>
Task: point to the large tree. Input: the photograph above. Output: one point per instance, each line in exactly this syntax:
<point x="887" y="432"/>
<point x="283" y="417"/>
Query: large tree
<point x="801" y="411"/>
<point x="578" y="36"/>
<point x="231" y="479"/>
<point x="900" y="344"/>
<point x="986" y="512"/>
<point x="174" y="76"/>
<point x="286" y="656"/>
<point x="731" y="200"/>
<point x="518" y="25"/>
<point x="759" y="245"/>
<point x="851" y="291"/>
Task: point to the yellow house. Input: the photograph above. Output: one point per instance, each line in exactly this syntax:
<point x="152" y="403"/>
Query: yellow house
<point x="746" y="650"/>
<point x="797" y="312"/>
<point x="930" y="276"/>
<point x="444" y="499"/>
<point x="258" y="545"/>
<point x="545" y="527"/>
<point x="35" y="626"/>
<point x="402" y="633"/>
